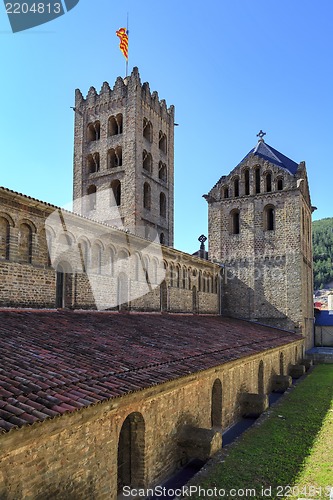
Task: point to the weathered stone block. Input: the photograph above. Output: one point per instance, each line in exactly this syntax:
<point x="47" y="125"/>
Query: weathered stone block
<point x="281" y="383"/>
<point x="296" y="371"/>
<point x="307" y="363"/>
<point x="253" y="405"/>
<point x="200" y="443"/>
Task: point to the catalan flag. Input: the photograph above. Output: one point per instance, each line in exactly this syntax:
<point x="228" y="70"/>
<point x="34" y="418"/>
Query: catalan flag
<point x="123" y="36"/>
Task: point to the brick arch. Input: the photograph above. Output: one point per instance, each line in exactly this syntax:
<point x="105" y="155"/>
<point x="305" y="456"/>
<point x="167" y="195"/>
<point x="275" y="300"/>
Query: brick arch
<point x="131" y="452"/>
<point x="6" y="216"/>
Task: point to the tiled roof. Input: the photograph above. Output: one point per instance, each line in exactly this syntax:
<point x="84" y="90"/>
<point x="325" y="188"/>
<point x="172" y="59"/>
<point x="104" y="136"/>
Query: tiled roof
<point x="270" y="154"/>
<point x="54" y="362"/>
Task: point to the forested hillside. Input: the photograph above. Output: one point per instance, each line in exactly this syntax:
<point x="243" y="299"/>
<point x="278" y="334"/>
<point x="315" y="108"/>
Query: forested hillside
<point x="322" y="252"/>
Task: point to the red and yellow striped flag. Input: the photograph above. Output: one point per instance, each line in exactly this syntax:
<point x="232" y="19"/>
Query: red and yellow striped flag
<point x="123" y="36"/>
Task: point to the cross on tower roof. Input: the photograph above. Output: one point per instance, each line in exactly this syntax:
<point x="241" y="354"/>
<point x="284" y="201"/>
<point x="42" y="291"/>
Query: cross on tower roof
<point x="261" y="136"/>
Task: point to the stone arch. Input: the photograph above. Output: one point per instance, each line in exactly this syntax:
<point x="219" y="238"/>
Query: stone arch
<point x="91" y="197"/>
<point x="162" y="142"/>
<point x="225" y="192"/>
<point x="93" y="163"/>
<point x="4" y="237"/>
<point x="257" y="179"/>
<point x="115" y="125"/>
<point x="178" y="275"/>
<point x="116" y="193"/>
<point x="94" y="131"/>
<point x="268" y="182"/>
<point x="131" y="452"/>
<point x="236" y="186"/>
<point x="234" y="221"/>
<point x="216" y="404"/>
<point x="162" y="171"/>
<point x="162" y="205"/>
<point x="147" y="130"/>
<point x="261" y="378"/>
<point x="279" y="183"/>
<point x="123" y="291"/>
<point x="146" y="196"/>
<point x="147" y="161"/>
<point x="194" y="299"/>
<point x="163" y="296"/>
<point x="246" y="181"/>
<point x="25" y="241"/>
<point x="63" y="284"/>
<point x="282" y="363"/>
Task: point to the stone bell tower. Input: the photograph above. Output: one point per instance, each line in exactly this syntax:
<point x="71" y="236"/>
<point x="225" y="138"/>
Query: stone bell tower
<point x="124" y="158"/>
<point x="260" y="229"/>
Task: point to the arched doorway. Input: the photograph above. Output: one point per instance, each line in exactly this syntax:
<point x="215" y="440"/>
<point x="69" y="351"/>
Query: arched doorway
<point x="131" y="452"/>
<point x="216" y="406"/>
<point x="63" y="285"/>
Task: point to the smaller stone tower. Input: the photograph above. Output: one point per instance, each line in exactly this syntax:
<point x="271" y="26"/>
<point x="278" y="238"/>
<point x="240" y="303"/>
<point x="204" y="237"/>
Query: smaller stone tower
<point x="124" y="158"/>
<point x="260" y="228"/>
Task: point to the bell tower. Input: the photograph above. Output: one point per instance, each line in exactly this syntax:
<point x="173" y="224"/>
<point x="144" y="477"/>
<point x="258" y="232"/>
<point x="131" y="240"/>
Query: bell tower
<point x="260" y="229"/>
<point x="124" y="158"/>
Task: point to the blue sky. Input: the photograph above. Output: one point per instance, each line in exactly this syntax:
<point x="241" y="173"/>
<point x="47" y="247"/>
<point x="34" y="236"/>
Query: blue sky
<point x="230" y="68"/>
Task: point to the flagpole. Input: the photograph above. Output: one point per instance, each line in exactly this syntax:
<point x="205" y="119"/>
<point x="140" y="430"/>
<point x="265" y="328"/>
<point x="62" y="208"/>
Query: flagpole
<point x="127" y="57"/>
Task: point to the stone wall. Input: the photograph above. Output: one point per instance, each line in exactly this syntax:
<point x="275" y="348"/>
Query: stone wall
<point x="75" y="455"/>
<point x="97" y="262"/>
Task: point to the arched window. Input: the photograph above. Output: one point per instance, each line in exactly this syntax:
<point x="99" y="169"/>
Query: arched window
<point x="115" y="157"/>
<point x="257" y="179"/>
<point x="234" y="222"/>
<point x="94" y="131"/>
<point x="269" y="218"/>
<point x="226" y="192"/>
<point x="236" y="187"/>
<point x="162" y="205"/>
<point x="4" y="238"/>
<point x="146" y="196"/>
<point x="96" y="259"/>
<point x="93" y="163"/>
<point x="216" y="405"/>
<point x="162" y="142"/>
<point x="162" y="171"/>
<point x="25" y="243"/>
<point x="116" y="193"/>
<point x="91" y="201"/>
<point x="115" y="125"/>
<point x="147" y="161"/>
<point x="131" y="453"/>
<point x="280" y="184"/>
<point x="268" y="182"/>
<point x="162" y="239"/>
<point x="247" y="181"/>
<point x="147" y="130"/>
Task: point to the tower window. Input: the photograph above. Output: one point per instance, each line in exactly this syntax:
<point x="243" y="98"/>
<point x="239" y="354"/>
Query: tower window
<point x="280" y="184"/>
<point x="147" y="161"/>
<point x="146" y="196"/>
<point x="116" y="193"/>
<point x="162" y="239"/>
<point x="115" y="157"/>
<point x="115" y="125"/>
<point x="162" y="171"/>
<point x="247" y="181"/>
<point x="162" y="205"/>
<point x="234" y="222"/>
<point x="91" y="192"/>
<point x="162" y="142"/>
<point x="93" y="163"/>
<point x="269" y="218"/>
<point x="94" y="131"/>
<point x="269" y="182"/>
<point x="226" y="192"/>
<point x="147" y="130"/>
<point x="236" y="187"/>
<point x="257" y="180"/>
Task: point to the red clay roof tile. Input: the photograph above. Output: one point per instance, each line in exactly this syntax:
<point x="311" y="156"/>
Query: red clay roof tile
<point x="55" y="362"/>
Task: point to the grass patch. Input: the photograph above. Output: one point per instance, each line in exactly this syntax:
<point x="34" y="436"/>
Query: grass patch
<point x="291" y="452"/>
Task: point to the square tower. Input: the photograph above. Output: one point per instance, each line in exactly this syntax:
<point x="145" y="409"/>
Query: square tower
<point x="260" y="229"/>
<point x="124" y="158"/>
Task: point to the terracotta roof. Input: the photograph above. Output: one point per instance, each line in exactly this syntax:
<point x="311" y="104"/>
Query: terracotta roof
<point x="54" y="362"/>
